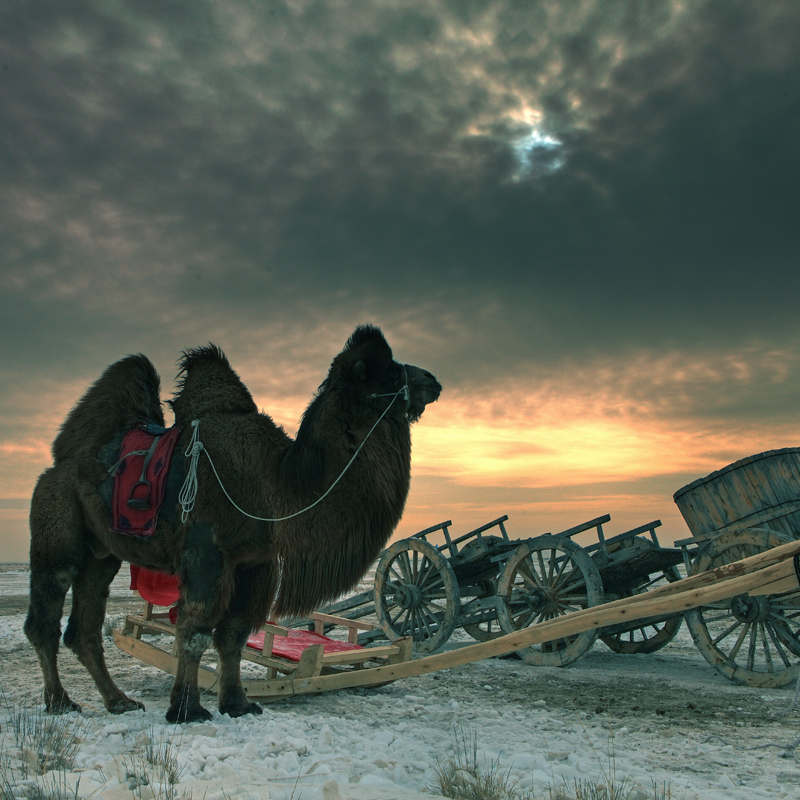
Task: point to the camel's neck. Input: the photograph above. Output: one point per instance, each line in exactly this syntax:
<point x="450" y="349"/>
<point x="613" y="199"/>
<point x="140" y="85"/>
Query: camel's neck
<point x="327" y="550"/>
<point x="327" y="441"/>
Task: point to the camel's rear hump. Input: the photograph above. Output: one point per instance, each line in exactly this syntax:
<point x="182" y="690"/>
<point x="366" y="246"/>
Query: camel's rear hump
<point x="126" y="394"/>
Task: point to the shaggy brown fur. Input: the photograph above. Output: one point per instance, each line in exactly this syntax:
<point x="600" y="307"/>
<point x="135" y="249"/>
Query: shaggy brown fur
<point x="234" y="571"/>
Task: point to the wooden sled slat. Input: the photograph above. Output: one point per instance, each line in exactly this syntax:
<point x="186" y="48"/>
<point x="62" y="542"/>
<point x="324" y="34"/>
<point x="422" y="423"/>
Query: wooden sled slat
<point x="764" y="573"/>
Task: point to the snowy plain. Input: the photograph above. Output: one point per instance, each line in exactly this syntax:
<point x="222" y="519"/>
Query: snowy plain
<point x="664" y="720"/>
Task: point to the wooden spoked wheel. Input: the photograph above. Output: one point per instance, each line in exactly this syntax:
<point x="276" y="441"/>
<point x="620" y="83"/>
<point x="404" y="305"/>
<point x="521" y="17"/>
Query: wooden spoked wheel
<point x="646" y="639"/>
<point x="475" y="552"/>
<point x="545" y="579"/>
<point x="416" y="594"/>
<point x="750" y="639"/>
<point x="651" y="636"/>
<point x="484" y="631"/>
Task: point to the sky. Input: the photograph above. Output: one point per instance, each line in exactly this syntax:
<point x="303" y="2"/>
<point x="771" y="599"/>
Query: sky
<point x="580" y="216"/>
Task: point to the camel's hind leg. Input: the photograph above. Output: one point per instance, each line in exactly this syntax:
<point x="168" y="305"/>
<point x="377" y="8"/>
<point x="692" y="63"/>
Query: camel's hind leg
<point x="49" y="587"/>
<point x="57" y="555"/>
<point x="84" y="630"/>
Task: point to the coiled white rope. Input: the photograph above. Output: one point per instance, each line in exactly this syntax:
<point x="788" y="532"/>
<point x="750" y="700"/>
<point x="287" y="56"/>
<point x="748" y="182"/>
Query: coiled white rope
<point x="188" y="492"/>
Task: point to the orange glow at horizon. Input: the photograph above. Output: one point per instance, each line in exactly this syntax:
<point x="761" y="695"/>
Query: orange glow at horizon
<point x="555" y="438"/>
<point x="562" y="444"/>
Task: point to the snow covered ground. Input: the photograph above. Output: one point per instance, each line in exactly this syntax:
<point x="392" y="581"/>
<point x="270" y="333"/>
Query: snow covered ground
<point x="664" y="720"/>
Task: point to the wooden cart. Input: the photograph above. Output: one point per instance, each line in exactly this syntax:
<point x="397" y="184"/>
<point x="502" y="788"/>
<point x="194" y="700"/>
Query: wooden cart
<point x="743" y="509"/>
<point x="488" y="585"/>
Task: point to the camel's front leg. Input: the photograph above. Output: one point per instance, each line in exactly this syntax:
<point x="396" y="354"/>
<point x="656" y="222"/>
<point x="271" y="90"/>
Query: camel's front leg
<point x="230" y="637"/>
<point x="184" y="701"/>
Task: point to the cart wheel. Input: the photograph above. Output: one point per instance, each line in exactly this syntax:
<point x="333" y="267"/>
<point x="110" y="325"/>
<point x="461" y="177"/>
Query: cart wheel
<point x="476" y="552"/>
<point x="654" y="634"/>
<point x="416" y="594"/>
<point x="484" y="631"/>
<point x="543" y="579"/>
<point x="750" y="639"/>
<point x="646" y="639"/>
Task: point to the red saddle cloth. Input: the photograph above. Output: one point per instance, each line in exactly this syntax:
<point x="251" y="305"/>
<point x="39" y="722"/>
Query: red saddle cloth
<point x="140" y="479"/>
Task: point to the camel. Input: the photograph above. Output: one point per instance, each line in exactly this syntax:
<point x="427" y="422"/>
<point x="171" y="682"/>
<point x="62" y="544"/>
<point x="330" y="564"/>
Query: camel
<point x="235" y="571"/>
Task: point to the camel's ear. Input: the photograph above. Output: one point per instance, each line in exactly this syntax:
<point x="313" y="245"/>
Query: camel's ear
<point x="360" y="369"/>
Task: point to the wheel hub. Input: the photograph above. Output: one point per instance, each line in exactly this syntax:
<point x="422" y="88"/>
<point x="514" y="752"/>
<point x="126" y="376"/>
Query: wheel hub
<point x="749" y="609"/>
<point x="408" y="596"/>
<point x="537" y="599"/>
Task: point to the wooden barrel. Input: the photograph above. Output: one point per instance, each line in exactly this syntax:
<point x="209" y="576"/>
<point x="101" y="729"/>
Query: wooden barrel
<point x="761" y="491"/>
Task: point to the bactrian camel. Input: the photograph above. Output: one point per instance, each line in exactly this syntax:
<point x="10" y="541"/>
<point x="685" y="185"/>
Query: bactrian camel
<point x="235" y="572"/>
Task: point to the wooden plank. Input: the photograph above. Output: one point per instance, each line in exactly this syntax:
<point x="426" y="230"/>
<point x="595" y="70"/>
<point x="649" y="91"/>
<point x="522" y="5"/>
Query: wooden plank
<point x="446" y="524"/>
<point x="790" y="473"/>
<point x="270" y="661"/>
<point x="723" y="496"/>
<point x="481" y="529"/>
<point x="150" y="625"/>
<point x="777" y="471"/>
<point x="343" y="621"/>
<point x="778" y="586"/>
<point x="358" y="656"/>
<point x="206" y="678"/>
<point x="741" y="492"/>
<point x="762" y="476"/>
<point x="758" y="476"/>
<point x="735" y="494"/>
<point x="585" y="526"/>
<point x="622" y="537"/>
<point x="310" y="662"/>
<point x="763" y="518"/>
<point x="697" y="517"/>
<point x="404" y="647"/>
<point x="707" y="508"/>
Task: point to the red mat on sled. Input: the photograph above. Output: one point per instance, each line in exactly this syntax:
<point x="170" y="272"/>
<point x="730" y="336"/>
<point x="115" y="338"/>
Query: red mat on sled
<point x="291" y="647"/>
<point x="140" y="479"/>
<point x="161" y="589"/>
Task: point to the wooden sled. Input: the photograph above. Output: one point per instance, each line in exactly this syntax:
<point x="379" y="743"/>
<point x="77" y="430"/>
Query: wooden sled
<point x="284" y="652"/>
<point x="771" y="572"/>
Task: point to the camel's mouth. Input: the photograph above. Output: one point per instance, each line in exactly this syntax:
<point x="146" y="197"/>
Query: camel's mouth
<point x="423" y="390"/>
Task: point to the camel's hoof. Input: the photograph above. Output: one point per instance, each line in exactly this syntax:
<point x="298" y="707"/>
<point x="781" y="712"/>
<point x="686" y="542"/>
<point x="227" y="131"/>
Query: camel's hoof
<point x="124" y="704"/>
<point x="183" y="713"/>
<point x="241" y="709"/>
<point x="62" y="706"/>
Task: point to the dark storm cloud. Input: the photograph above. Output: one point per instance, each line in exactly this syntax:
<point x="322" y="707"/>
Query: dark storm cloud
<point x="256" y="156"/>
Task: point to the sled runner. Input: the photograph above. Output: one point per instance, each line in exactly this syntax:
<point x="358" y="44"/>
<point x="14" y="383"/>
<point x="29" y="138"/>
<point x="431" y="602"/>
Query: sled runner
<point x="773" y="572"/>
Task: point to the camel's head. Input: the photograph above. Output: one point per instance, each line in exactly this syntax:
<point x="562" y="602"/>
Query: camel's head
<point x="381" y="378"/>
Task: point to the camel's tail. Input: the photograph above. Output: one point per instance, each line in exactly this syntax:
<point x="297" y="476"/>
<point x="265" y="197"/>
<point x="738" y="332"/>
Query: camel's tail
<point x="126" y="394"/>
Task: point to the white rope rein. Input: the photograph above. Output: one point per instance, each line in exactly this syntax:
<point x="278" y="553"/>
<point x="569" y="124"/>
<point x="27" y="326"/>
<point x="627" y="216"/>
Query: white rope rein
<point x="188" y="492"/>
